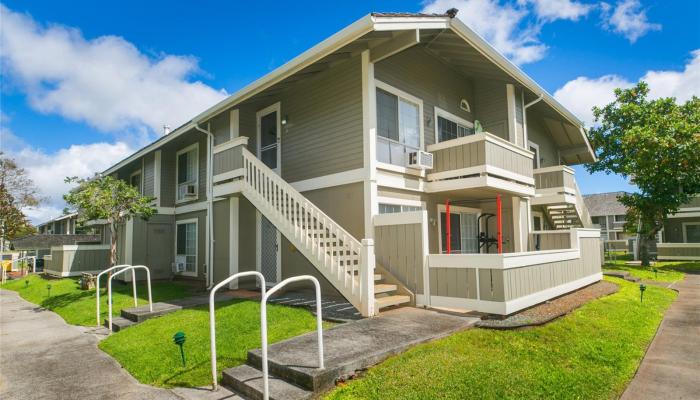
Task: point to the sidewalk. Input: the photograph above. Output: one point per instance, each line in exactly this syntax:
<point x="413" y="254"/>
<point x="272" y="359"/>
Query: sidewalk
<point x="671" y="368"/>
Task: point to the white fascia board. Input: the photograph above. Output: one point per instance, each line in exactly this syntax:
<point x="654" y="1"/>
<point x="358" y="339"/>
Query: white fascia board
<point x="497" y="58"/>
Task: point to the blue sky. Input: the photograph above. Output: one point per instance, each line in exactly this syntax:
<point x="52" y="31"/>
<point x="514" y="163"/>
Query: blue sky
<point x="66" y="65"/>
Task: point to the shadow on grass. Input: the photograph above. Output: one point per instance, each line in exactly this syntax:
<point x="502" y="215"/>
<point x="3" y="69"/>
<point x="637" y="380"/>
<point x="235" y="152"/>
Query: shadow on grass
<point x="692" y="268"/>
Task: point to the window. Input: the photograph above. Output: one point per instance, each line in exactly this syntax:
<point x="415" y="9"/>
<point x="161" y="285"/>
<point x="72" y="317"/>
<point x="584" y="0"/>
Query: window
<point x="691" y="232"/>
<point x="620" y="218"/>
<point x="398" y="126"/>
<point x="135" y="180"/>
<point x="396" y="208"/>
<point x="450" y="126"/>
<point x="187" y="173"/>
<point x="186" y="245"/>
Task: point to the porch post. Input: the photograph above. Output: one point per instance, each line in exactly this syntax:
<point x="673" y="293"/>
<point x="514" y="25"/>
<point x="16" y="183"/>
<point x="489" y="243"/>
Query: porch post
<point x="448" y="230"/>
<point x="367" y="263"/>
<point x="499" y="225"/>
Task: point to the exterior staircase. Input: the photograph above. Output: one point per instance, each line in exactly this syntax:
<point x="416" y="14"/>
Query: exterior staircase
<point x="569" y="215"/>
<point x="346" y="262"/>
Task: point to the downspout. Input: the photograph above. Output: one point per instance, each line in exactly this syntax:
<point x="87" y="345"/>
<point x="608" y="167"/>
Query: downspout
<point x="210" y="202"/>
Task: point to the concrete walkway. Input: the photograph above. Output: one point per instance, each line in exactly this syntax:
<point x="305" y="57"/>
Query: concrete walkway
<point x="42" y="357"/>
<point x="671" y="368"/>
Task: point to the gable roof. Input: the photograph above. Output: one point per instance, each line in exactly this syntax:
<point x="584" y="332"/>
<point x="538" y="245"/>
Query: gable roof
<point x="380" y="22"/>
<point x="601" y="204"/>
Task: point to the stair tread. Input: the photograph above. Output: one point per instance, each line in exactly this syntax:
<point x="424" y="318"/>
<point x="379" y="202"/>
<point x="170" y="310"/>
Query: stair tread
<point x="391" y="301"/>
<point x="384" y="287"/>
<point x="248" y="380"/>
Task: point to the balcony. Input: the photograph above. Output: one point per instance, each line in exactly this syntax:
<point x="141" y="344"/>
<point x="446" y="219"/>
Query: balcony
<point x="556" y="190"/>
<point x="481" y="161"/>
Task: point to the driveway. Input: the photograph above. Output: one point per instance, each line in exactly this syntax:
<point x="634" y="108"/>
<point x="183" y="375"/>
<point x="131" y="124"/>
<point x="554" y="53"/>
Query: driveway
<point x="671" y="367"/>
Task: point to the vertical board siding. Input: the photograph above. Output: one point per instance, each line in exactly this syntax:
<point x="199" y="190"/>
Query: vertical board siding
<point x="554" y="179"/>
<point x="491" y="107"/>
<point x="228" y="160"/>
<point x="520" y="282"/>
<point x="481" y="153"/>
<point x="324" y="131"/>
<point x="81" y="260"/>
<point x="678" y="251"/>
<point x="453" y="282"/>
<point x="149" y="167"/>
<point x="398" y="249"/>
<point x="553" y="241"/>
<point x="220" y="127"/>
<point x="507" y="159"/>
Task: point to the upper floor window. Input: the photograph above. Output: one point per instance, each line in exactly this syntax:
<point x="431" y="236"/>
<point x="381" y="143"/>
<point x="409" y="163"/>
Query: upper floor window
<point x="385" y="208"/>
<point x="620" y="218"/>
<point x="135" y="181"/>
<point x="450" y="126"/>
<point x="398" y="125"/>
<point x="187" y="173"/>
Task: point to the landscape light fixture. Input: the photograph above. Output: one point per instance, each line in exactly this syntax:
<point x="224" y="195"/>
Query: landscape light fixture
<point x="642" y="288"/>
<point x="179" y="339"/>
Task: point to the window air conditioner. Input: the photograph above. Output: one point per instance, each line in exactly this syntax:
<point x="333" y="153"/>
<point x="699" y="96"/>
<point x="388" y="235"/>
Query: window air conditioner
<point x="191" y="190"/>
<point x="420" y="160"/>
<point x="180" y="264"/>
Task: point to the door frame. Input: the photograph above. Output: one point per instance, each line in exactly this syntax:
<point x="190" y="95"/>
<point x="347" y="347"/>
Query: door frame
<point x="276" y="107"/>
<point x="459" y="209"/>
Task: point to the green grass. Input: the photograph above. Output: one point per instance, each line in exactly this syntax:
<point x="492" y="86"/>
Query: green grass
<point x="77" y="307"/>
<point x="147" y="350"/>
<point x="591" y="353"/>
<point x="667" y="271"/>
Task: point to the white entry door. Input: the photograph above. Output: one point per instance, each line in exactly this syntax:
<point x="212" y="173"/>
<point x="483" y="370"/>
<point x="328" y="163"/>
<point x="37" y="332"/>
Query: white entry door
<point x="269" y="258"/>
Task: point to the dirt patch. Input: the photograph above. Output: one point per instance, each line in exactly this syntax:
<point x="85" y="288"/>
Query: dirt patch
<point x="552" y="309"/>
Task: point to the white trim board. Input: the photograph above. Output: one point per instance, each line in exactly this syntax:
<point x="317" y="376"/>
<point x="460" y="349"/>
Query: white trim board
<point x="194" y="221"/>
<point x="195" y="147"/>
<point x="402" y="218"/>
<point x="331" y="180"/>
<point x="235" y="142"/>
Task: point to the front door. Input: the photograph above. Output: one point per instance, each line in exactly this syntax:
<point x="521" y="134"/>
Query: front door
<point x="268" y="240"/>
<point x="464" y="230"/>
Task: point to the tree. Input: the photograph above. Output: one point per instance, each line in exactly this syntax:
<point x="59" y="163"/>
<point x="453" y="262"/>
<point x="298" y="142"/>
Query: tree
<point x="17" y="191"/>
<point x="656" y="145"/>
<point x="110" y="199"/>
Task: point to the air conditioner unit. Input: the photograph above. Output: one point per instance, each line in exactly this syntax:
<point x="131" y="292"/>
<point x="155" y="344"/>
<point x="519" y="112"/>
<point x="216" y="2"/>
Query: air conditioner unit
<point x="179" y="265"/>
<point x="420" y="160"/>
<point x="191" y="190"/>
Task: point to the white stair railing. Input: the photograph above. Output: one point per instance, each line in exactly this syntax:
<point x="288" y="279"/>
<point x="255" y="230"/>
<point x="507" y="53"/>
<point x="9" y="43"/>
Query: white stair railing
<point x="212" y="315"/>
<point x="340" y="257"/>
<point x="263" y="325"/>
<point x="109" y="289"/>
<point x="97" y="287"/>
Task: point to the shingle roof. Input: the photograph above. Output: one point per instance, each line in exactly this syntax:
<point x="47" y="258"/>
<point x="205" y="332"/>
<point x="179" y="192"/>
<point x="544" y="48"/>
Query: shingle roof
<point x="604" y="204"/>
<point x="48" y="241"/>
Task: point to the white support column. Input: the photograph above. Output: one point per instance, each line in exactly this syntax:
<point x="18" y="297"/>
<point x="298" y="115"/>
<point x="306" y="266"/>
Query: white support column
<point x="128" y="243"/>
<point x="519" y="227"/>
<point x="234" y="130"/>
<point x="367" y="261"/>
<point x="233" y="241"/>
<point x="512" y="121"/>
<point x="426" y="250"/>
<point x="369" y="127"/>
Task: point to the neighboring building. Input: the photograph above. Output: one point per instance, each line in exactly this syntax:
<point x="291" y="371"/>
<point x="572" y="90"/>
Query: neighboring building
<point x="681" y="234"/>
<point x="322" y="167"/>
<point x="678" y="240"/>
<point x="608" y="214"/>
<point x="63" y="235"/>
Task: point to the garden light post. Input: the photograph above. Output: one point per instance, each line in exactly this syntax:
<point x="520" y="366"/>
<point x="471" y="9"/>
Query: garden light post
<point x="642" y="288"/>
<point x="179" y="339"/>
<point x="48" y="289"/>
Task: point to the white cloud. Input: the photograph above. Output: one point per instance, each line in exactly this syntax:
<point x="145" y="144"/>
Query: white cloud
<point x="581" y="94"/>
<point x="499" y="24"/>
<point x="552" y="10"/>
<point x="106" y="82"/>
<point x="48" y="170"/>
<point x="628" y="19"/>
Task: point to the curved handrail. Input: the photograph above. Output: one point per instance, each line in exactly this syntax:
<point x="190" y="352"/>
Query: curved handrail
<point x="263" y="323"/>
<point x="212" y="322"/>
<point x="97" y="286"/>
<point x="109" y="288"/>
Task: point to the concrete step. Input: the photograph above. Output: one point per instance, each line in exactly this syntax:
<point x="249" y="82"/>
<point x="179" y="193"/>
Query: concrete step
<point x="142" y="313"/>
<point x="383" y="288"/>
<point x="119" y="323"/>
<point x="248" y="381"/>
<point x="389" y="301"/>
<point x="377" y="277"/>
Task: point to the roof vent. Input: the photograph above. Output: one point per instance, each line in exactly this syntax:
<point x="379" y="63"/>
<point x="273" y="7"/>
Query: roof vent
<point x="452" y="12"/>
<point x="166" y="129"/>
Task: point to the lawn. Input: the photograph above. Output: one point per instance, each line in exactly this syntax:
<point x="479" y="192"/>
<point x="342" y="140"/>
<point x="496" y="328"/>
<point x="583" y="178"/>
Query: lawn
<point x="147" y="350"/>
<point x="667" y="271"/>
<point x="591" y="353"/>
<point x="77" y="306"/>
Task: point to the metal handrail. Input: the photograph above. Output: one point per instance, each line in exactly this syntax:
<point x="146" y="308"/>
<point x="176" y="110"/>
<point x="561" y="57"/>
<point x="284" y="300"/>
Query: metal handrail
<point x="263" y="325"/>
<point x="97" y="287"/>
<point x="212" y="322"/>
<point x="18" y="260"/>
<point x="109" y="288"/>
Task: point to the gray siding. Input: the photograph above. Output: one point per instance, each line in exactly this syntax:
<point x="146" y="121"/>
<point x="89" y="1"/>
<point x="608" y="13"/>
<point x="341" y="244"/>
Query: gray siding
<point x="554" y="179"/>
<point x="153" y="245"/>
<point x="399" y="249"/>
<point x="222" y="239"/>
<point x="420" y="74"/>
<point x="673" y="229"/>
<point x="663" y="252"/>
<point x="220" y="127"/>
<point x="82" y="260"/>
<point x="491" y="107"/>
<point x="453" y="282"/>
<point x="537" y="133"/>
<point x="228" y="160"/>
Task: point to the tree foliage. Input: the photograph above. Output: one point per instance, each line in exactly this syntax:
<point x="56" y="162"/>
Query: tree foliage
<point x="17" y="191"/>
<point x="109" y="199"/>
<point x="656" y="145"/>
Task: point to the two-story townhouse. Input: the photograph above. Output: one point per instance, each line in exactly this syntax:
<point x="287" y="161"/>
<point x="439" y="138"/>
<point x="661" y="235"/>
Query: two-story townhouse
<point x="402" y="160"/>
<point x="608" y="214"/>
